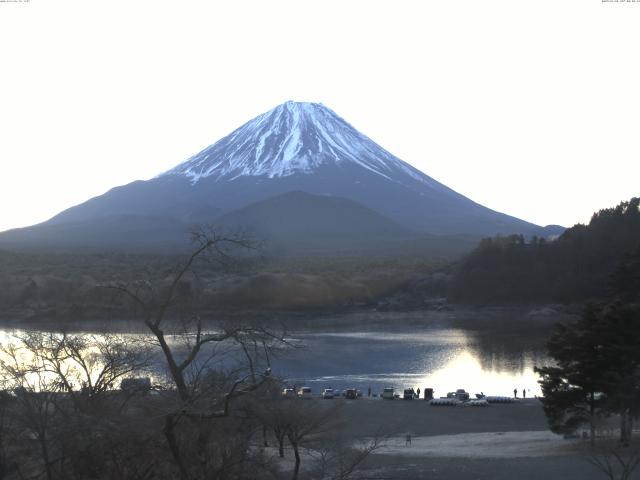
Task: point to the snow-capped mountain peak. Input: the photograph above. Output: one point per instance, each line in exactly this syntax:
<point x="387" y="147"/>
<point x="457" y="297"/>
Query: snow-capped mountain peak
<point x="298" y="172"/>
<point x="294" y="137"/>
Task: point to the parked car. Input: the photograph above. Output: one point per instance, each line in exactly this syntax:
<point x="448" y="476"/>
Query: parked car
<point x="388" y="394"/>
<point x="304" y="392"/>
<point x="351" y="393"/>
<point x="142" y="384"/>
<point x="409" y="394"/>
<point x="462" y="395"/>
<point x="288" y="392"/>
<point x="327" y="393"/>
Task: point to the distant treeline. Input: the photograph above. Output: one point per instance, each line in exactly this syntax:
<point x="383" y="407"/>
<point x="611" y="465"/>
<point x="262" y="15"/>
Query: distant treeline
<point x="59" y="288"/>
<point x="581" y="265"/>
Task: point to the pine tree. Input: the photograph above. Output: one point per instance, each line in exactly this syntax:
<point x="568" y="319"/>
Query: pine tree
<point x="620" y="331"/>
<point x="597" y="371"/>
<point x="572" y="388"/>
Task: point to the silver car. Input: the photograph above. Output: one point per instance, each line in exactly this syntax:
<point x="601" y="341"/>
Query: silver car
<point x="327" y="393"/>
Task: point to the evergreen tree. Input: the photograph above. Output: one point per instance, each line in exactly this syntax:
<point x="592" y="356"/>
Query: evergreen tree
<point x="574" y="267"/>
<point x="625" y="280"/>
<point x="572" y="388"/>
<point x="597" y="371"/>
<point x="620" y="332"/>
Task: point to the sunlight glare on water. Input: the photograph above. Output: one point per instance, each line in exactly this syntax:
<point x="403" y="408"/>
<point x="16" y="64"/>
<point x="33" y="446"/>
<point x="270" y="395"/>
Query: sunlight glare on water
<point x="465" y="371"/>
<point x="439" y="358"/>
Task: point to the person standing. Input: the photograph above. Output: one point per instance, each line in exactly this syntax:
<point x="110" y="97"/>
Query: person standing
<point x="418" y="392"/>
<point x="515" y="393"/>
<point x="524" y="393"/>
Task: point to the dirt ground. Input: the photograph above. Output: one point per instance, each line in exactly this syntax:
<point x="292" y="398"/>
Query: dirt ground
<point x="369" y="416"/>
<point x="498" y="442"/>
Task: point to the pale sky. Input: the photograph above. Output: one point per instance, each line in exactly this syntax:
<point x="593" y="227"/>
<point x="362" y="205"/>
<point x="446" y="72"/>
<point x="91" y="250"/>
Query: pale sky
<point x="529" y="107"/>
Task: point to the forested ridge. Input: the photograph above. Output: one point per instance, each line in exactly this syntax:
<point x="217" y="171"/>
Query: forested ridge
<point x="577" y="266"/>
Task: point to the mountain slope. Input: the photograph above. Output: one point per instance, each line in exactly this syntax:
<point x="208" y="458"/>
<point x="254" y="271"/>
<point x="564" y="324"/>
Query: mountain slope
<point x="132" y="233"/>
<point x="299" y="215"/>
<point x="301" y="222"/>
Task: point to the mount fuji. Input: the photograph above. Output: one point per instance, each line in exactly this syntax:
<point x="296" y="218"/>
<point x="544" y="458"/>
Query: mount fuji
<point x="296" y="147"/>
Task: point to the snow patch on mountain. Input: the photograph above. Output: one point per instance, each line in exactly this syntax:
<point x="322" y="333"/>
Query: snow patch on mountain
<point x="294" y="137"/>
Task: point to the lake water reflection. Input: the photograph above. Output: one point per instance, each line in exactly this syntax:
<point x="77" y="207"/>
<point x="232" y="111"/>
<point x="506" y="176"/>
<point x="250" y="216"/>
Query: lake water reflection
<point x="493" y="361"/>
<point x="441" y="358"/>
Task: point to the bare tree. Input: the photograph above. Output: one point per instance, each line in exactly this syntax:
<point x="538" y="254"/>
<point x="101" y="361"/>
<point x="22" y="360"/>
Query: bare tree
<point x="63" y="400"/>
<point x="307" y="423"/>
<point x="189" y="352"/>
<point x="7" y="463"/>
<point x="317" y="430"/>
<point x="154" y="304"/>
<point x="616" y="463"/>
<point x="341" y="459"/>
<point x="273" y="411"/>
<point x="36" y="410"/>
<point x="84" y="366"/>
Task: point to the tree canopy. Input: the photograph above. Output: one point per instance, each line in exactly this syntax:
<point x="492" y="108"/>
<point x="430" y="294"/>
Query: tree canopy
<point x="572" y="268"/>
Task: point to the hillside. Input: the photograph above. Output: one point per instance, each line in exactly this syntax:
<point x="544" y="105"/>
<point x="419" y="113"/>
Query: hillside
<point x="298" y="223"/>
<point x="578" y="266"/>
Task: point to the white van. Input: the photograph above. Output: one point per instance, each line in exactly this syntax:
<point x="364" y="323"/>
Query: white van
<point x="388" y="394"/>
<point x="304" y="392"/>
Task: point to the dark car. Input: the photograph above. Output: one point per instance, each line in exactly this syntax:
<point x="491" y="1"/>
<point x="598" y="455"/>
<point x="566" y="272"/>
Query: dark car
<point x="409" y="394"/>
<point x="351" y="393"/>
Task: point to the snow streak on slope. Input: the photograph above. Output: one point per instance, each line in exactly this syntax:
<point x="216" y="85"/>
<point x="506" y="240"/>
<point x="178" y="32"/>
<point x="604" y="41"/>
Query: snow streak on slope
<point x="294" y="138"/>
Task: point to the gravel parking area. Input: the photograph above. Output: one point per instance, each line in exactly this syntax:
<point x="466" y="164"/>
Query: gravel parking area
<point x="498" y="442"/>
<point x="369" y="416"/>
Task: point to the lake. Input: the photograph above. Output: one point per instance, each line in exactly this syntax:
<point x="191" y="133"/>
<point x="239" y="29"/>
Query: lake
<point x="444" y="359"/>
<point x="447" y="354"/>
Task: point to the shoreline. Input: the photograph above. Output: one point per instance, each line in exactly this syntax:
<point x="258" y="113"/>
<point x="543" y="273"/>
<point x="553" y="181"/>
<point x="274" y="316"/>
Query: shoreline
<point x="529" y="316"/>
